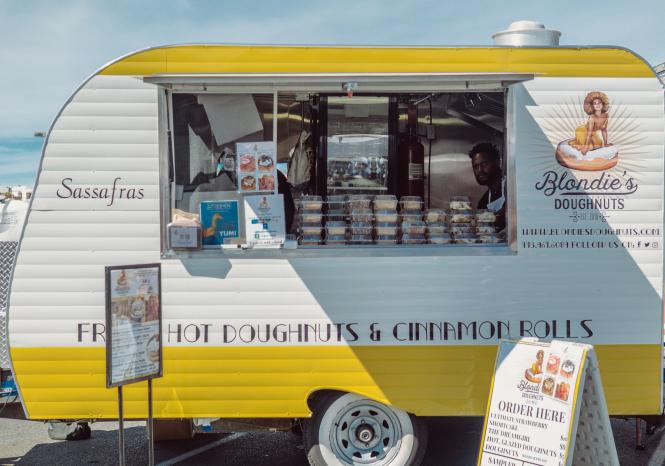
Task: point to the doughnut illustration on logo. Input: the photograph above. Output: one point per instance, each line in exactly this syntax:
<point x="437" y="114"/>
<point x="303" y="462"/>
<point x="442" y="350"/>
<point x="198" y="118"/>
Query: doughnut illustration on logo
<point x="534" y="373"/>
<point x="590" y="149"/>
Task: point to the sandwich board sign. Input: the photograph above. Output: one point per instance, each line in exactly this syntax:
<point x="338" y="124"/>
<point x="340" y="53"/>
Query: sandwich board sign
<point x="546" y="408"/>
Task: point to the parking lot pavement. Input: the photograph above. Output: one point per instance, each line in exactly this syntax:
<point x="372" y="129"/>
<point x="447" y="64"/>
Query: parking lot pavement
<point x="453" y="442"/>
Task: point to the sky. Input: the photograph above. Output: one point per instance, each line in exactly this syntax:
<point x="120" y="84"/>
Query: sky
<point x="50" y="47"/>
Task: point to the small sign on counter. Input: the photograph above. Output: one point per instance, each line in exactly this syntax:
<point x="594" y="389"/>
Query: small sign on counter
<point x="264" y="221"/>
<point x="219" y="222"/>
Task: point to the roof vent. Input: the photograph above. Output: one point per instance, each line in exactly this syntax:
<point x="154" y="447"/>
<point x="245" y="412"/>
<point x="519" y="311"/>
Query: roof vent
<point x="527" y="33"/>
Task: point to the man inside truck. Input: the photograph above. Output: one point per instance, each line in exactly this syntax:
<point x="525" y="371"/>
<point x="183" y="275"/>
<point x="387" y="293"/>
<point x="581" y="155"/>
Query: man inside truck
<point x="486" y="163"/>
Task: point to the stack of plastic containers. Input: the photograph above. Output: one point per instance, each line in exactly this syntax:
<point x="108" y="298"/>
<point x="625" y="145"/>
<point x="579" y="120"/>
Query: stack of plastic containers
<point x="413" y="226"/>
<point x="485" y="229"/>
<point x="336" y="219"/>
<point x="386" y="218"/>
<point x="438" y="230"/>
<point x="461" y="220"/>
<point x="310" y="217"/>
<point x="360" y="219"/>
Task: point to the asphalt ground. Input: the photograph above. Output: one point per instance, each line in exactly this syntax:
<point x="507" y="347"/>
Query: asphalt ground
<point x="452" y="442"/>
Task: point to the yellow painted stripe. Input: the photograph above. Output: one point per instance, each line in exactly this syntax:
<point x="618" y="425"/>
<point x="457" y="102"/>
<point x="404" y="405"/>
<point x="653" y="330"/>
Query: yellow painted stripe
<point x="276" y="381"/>
<point x="574" y="62"/>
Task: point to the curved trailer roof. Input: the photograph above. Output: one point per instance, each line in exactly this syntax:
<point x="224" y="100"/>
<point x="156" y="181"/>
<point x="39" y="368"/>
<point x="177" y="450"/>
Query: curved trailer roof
<point x="558" y="61"/>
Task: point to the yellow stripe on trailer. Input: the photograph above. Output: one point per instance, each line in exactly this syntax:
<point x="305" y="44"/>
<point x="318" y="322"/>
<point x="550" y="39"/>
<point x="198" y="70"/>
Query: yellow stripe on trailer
<point x="232" y="382"/>
<point x="559" y="61"/>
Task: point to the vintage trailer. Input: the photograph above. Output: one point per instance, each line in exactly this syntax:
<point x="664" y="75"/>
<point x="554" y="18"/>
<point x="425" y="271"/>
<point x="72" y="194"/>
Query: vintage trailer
<point x="385" y="334"/>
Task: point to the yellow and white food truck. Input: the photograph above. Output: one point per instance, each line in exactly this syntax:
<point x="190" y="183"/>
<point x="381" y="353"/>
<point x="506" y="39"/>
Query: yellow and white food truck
<point x="430" y="201"/>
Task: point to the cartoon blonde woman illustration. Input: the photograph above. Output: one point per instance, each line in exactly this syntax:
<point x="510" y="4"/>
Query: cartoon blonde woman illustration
<point x="590" y="149"/>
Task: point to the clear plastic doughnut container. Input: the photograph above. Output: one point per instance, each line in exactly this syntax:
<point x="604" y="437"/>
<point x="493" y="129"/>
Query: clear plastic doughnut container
<point x="310" y="217"/>
<point x="413" y="239"/>
<point x="361" y="228"/>
<point x="461" y="228"/>
<point x="361" y="215"/>
<point x="360" y="239"/>
<point x="358" y="202"/>
<point x="385" y="202"/>
<point x="485" y="228"/>
<point x="336" y="202"/>
<point x="310" y="240"/>
<point x="461" y="216"/>
<point x="414" y="228"/>
<point x="335" y="239"/>
<point x="386" y="216"/>
<point x="411" y="204"/>
<point x="440" y="239"/>
<point x="466" y="238"/>
<point x="311" y="203"/>
<point x="435" y="216"/>
<point x="485" y="216"/>
<point x="460" y="203"/>
<point x="437" y="228"/>
<point x="335" y="228"/>
<point x="382" y="229"/>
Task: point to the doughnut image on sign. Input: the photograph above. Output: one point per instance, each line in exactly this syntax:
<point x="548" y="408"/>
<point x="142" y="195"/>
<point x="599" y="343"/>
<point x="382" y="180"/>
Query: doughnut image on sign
<point x="590" y="149"/>
<point x="553" y="362"/>
<point x="265" y="163"/>
<point x="548" y="386"/>
<point x="562" y="391"/>
<point x="567" y="369"/>
<point x="266" y="183"/>
<point x="247" y="163"/>
<point x="248" y="183"/>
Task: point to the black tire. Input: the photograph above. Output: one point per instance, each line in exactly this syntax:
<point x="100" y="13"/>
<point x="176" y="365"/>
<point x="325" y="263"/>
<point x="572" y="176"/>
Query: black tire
<point x="334" y="434"/>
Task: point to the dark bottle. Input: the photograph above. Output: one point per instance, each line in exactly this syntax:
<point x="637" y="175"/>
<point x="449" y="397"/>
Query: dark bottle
<point x="411" y="158"/>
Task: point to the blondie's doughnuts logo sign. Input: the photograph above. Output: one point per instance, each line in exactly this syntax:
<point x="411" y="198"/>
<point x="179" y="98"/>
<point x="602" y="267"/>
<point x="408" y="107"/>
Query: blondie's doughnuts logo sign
<point x="590" y="149"/>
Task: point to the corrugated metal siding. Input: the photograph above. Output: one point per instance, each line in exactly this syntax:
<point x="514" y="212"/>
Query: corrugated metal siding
<point x="59" y="277"/>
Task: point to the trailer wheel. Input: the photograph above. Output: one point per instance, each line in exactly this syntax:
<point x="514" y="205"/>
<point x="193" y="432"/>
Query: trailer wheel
<point x="347" y="429"/>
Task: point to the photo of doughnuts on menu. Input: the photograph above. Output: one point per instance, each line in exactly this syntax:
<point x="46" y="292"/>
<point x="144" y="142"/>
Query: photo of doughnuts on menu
<point x="561" y="368"/>
<point x="257" y="167"/>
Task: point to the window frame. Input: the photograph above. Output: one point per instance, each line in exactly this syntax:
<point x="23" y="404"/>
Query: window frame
<point x="218" y="85"/>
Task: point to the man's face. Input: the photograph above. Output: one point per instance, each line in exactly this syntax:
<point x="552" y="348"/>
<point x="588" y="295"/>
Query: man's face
<point x="485" y="168"/>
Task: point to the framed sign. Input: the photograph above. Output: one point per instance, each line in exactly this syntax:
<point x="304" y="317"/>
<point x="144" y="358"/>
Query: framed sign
<point x="257" y="167"/>
<point x="133" y="323"/>
<point x="219" y="220"/>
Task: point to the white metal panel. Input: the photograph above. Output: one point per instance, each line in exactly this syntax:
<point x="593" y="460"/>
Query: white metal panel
<point x="101" y="150"/>
<point x="87" y="136"/>
<point x="146" y="95"/>
<point x="613" y="290"/>
<point x="112" y="164"/>
<point x="107" y="217"/>
<point x="109" y="109"/>
<point x="106" y="122"/>
<point x="96" y="230"/>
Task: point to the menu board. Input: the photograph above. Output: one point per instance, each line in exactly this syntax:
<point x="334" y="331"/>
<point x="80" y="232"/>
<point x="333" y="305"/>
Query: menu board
<point x="219" y="222"/>
<point x="264" y="221"/>
<point x="133" y="323"/>
<point x="256" y="167"/>
<point x="532" y="406"/>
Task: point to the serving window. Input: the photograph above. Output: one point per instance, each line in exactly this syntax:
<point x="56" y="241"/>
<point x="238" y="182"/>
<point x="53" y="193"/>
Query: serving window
<point x="328" y="170"/>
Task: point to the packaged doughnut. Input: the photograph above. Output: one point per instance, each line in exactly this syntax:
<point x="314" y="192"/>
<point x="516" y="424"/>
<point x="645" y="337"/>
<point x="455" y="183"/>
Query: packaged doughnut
<point x="460" y="203"/>
<point x="385" y="202"/>
<point x="411" y="204"/>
